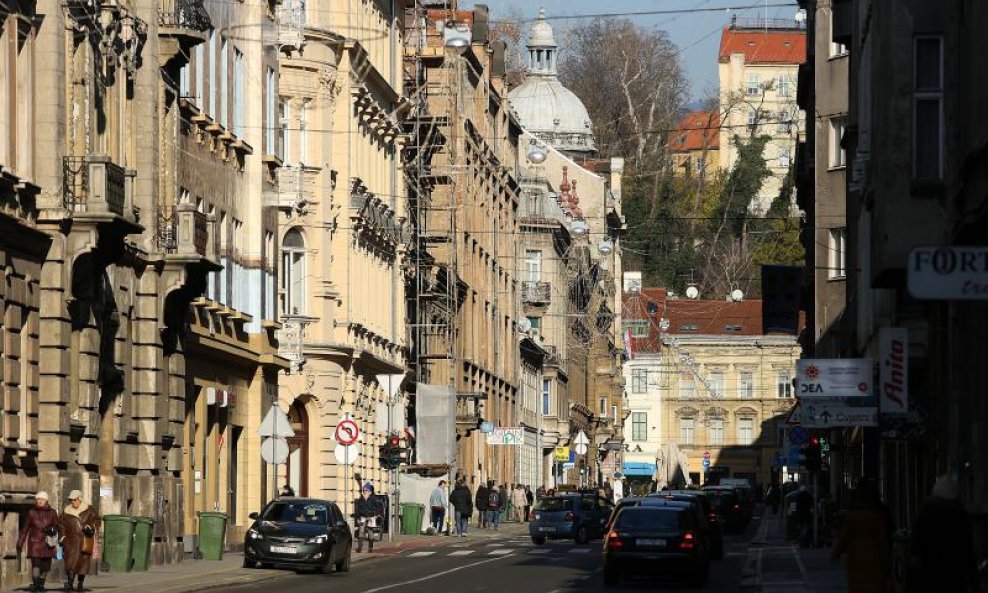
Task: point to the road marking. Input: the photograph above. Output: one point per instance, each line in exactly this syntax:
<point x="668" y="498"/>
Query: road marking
<point x="539" y="551"/>
<point x="433" y="576"/>
<point x="461" y="553"/>
<point x="580" y="551"/>
<point x="420" y="554"/>
<point x="500" y="552"/>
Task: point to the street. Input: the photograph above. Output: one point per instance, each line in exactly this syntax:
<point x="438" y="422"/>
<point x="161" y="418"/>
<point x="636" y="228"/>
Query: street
<point x="512" y="563"/>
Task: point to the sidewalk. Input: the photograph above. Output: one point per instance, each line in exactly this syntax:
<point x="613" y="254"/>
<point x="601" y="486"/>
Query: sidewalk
<point x="776" y="564"/>
<point x="191" y="576"/>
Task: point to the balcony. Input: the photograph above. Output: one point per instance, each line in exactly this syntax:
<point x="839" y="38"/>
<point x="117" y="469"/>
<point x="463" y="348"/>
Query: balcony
<point x="535" y="293"/>
<point x="181" y="26"/>
<point x="291" y="23"/>
<point x="295" y="187"/>
<point x="93" y="184"/>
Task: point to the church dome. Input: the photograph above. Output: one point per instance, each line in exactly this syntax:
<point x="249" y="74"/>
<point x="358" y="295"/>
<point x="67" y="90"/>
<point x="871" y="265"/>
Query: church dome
<point x="544" y="106"/>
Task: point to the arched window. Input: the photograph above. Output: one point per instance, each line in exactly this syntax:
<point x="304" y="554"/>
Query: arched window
<point x="293" y="273"/>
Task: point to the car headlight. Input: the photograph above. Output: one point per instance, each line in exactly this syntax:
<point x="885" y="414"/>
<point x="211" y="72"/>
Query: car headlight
<point x="254" y="534"/>
<point x="319" y="539"/>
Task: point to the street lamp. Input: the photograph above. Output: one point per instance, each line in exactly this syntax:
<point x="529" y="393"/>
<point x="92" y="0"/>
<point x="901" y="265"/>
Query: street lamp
<point x="456" y="34"/>
<point x="580" y="228"/>
<point x="606" y="246"/>
<point x="536" y="153"/>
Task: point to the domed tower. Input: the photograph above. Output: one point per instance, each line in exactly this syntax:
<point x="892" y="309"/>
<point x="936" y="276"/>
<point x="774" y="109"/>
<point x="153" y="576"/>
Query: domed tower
<point x="544" y="106"/>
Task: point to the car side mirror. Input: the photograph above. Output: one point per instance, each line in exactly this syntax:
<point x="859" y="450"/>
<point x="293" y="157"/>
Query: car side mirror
<point x="253" y="516"/>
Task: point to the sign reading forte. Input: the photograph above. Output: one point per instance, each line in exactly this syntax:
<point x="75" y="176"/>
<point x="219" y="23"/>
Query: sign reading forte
<point x="834" y="377"/>
<point x="506" y="435"/>
<point x="949" y="273"/>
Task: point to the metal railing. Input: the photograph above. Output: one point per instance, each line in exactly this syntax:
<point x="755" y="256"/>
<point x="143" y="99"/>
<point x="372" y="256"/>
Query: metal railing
<point x="184" y="14"/>
<point x="535" y="293"/>
<point x="93" y="183"/>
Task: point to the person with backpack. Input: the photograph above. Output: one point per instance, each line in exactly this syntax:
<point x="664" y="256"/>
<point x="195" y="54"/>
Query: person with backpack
<point x="493" y="518"/>
<point x="480" y="503"/>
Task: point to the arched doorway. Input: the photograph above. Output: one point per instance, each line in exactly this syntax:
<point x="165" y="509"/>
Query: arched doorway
<point x="298" y="450"/>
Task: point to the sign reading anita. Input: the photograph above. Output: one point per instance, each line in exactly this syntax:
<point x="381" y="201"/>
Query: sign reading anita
<point x="506" y="435"/>
<point x="949" y="273"/>
<point x="893" y="370"/>
<point x="834" y="377"/>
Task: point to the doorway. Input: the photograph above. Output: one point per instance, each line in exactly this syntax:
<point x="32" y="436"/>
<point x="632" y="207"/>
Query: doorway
<point x="298" y="450"/>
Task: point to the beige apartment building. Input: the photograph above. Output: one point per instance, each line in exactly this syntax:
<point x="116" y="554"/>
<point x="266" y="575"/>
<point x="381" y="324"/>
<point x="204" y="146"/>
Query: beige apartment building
<point x="341" y="200"/>
<point x="133" y="365"/>
<point x="758" y="69"/>
<point x="705" y="378"/>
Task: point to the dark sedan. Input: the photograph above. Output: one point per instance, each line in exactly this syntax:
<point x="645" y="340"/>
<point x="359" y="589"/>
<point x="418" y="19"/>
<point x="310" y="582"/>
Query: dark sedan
<point x="299" y="532"/>
<point x="656" y="540"/>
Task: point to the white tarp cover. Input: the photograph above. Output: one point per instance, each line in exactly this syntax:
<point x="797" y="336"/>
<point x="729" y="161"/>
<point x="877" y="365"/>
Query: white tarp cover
<point x="417" y="489"/>
<point x="435" y="430"/>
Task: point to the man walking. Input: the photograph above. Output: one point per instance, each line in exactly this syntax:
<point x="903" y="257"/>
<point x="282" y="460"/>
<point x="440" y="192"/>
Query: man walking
<point x="480" y="503"/>
<point x="438" y="502"/>
<point x="529" y="500"/>
<point x="462" y="507"/>
<point x="519" y="501"/>
<point x="493" y="506"/>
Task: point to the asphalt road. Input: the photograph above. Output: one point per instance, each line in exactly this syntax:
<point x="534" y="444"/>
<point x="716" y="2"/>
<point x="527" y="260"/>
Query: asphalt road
<point x="508" y="565"/>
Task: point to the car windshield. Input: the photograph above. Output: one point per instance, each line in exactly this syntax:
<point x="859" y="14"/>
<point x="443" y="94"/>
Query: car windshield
<point x="554" y="504"/>
<point x="653" y="519"/>
<point x="297" y="512"/>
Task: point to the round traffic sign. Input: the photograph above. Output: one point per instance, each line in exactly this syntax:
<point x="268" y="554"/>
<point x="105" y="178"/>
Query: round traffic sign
<point x="346" y="454"/>
<point x="274" y="450"/>
<point x="798" y="435"/>
<point x="706" y="454"/>
<point x="581" y="449"/>
<point x="347" y="432"/>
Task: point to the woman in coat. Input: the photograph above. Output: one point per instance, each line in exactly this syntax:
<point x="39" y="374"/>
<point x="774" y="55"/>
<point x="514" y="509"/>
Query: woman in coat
<point x="866" y="538"/>
<point x="40" y="533"/>
<point x="78" y="526"/>
<point x="462" y="504"/>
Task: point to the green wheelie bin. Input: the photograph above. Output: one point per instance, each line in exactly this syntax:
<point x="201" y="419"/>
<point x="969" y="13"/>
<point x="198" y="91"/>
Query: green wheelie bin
<point x="143" y="533"/>
<point x="411" y="518"/>
<point x="118" y="542"/>
<point x="212" y="535"/>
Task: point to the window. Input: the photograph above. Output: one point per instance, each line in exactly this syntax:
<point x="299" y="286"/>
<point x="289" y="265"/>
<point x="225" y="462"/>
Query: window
<point x="746" y="385"/>
<point x="746" y="431"/>
<point x="536" y="325"/>
<point x="303" y="134"/>
<point x="686" y="386"/>
<point x="293" y="273"/>
<point x="784" y="125"/>
<point x="784" y="384"/>
<point x="270" y="102"/>
<point x="184" y="83"/>
<point x="753" y="86"/>
<point x="602" y="407"/>
<point x="928" y="109"/>
<point x="286" y="143"/>
<point x="211" y="42"/>
<point x="546" y="395"/>
<point x="200" y="74"/>
<point x="717" y="431"/>
<point x="639" y="380"/>
<point x="639" y="426"/>
<point x="717" y="383"/>
<point x="686" y="426"/>
<point x="239" y="78"/>
<point x="638" y="328"/>
<point x="223" y="95"/>
<point x="838" y="254"/>
<point x="838" y="156"/>
<point x="533" y="265"/>
<point x="752" y="119"/>
<point x="836" y="49"/>
<point x="785" y="158"/>
<point x="784" y="87"/>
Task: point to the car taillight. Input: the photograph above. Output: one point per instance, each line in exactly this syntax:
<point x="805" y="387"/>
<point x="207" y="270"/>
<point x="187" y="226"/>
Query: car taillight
<point x="737" y="506"/>
<point x="687" y="542"/>
<point x="569" y="517"/>
<point x="713" y="517"/>
<point x="614" y="540"/>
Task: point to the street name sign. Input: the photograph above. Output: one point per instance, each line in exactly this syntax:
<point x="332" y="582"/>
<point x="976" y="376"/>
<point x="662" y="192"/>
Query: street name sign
<point x="834" y="377"/>
<point x="826" y="414"/>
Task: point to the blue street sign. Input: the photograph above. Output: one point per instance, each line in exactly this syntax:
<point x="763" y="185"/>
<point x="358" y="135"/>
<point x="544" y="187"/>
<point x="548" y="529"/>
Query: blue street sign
<point x="486" y="427"/>
<point x="706" y="464"/>
<point x="572" y="456"/>
<point x="798" y="435"/>
<point x="795" y="457"/>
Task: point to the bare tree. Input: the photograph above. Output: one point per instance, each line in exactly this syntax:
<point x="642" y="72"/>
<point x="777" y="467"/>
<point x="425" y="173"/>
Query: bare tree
<point x="509" y="30"/>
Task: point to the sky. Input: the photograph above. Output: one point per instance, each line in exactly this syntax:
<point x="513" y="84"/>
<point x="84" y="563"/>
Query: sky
<point x="697" y="34"/>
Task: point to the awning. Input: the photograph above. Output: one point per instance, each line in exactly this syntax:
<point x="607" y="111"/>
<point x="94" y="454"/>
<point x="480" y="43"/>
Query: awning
<point x="638" y="468"/>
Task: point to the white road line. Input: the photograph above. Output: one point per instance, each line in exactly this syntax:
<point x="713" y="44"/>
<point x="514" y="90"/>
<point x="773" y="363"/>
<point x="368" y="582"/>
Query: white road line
<point x="461" y="553"/>
<point x="580" y="551"/>
<point x="500" y="552"/>
<point x="432" y="576"/>
<point x="420" y="554"/>
<point x="539" y="551"/>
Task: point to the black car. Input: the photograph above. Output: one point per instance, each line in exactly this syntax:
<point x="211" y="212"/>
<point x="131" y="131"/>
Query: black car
<point x="299" y="532"/>
<point x="730" y="506"/>
<point x="656" y="539"/>
<point x="715" y="527"/>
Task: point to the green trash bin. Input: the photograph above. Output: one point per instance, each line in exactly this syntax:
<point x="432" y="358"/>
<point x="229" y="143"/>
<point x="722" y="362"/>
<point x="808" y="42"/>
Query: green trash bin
<point x="118" y="542"/>
<point x="212" y="535"/>
<point x="411" y="518"/>
<point x="141" y="552"/>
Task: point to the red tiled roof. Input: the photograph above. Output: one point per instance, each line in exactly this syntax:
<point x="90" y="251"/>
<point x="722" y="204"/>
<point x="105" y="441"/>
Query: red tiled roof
<point x="760" y="47"/>
<point x="698" y="130"/>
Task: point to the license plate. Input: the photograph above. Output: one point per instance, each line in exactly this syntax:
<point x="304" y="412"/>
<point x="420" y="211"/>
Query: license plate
<point x="284" y="550"/>
<point x="651" y="542"/>
<point x="547" y="529"/>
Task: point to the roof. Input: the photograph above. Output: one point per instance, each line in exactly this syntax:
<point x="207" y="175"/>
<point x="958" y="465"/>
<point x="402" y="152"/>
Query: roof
<point x="763" y="47"/>
<point x="698" y="130"/>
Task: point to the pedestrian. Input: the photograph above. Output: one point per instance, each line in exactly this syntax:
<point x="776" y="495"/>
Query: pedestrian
<point x="529" y="500"/>
<point x="462" y="507"/>
<point x="480" y="503"/>
<point x="77" y="527"/>
<point x="942" y="546"/>
<point x="804" y="516"/>
<point x="369" y="512"/>
<point x="541" y="492"/>
<point x="866" y="538"/>
<point x="438" y="502"/>
<point x="774" y="498"/>
<point x="504" y="499"/>
<point x="493" y="506"/>
<point x="40" y="533"/>
<point x="287" y="490"/>
<point x="519" y="501"/>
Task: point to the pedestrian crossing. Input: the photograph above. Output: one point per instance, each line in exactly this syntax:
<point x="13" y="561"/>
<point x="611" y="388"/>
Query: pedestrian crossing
<point x="509" y="547"/>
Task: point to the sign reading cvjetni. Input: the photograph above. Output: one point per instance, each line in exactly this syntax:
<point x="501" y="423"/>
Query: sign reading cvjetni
<point x="949" y="272"/>
<point x="834" y="377"/>
<point x="826" y="414"/>
<point x="506" y="435"/>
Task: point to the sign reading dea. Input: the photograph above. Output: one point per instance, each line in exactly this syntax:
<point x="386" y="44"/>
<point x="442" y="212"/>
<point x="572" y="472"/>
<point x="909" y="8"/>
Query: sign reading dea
<point x="949" y="273"/>
<point x="834" y="377"/>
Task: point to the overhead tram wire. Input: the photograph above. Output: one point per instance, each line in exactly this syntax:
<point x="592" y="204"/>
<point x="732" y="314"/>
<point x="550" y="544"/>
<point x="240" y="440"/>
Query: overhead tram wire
<point x="654" y="12"/>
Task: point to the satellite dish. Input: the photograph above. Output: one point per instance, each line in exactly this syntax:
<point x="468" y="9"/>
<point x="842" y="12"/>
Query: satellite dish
<point x="692" y="292"/>
<point x="736" y="295"/>
<point x="525" y="326"/>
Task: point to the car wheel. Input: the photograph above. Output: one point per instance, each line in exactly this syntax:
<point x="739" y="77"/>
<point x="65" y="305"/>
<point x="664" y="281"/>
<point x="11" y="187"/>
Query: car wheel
<point x="611" y="575"/>
<point x="538" y="540"/>
<point x="249" y="563"/>
<point x="582" y="535"/>
<point x="344" y="565"/>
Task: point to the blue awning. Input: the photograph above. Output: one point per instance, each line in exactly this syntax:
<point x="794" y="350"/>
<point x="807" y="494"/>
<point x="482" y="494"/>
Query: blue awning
<point x="638" y="468"/>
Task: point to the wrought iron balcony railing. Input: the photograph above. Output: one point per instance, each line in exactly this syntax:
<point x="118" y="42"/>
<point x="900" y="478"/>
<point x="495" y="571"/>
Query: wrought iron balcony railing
<point x="184" y="14"/>
<point x="535" y="293"/>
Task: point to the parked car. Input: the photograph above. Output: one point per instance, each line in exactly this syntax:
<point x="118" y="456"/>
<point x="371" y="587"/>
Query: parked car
<point x="579" y="516"/>
<point x="715" y="526"/>
<point x="656" y="539"/>
<point x="731" y="507"/>
<point x="299" y="532"/>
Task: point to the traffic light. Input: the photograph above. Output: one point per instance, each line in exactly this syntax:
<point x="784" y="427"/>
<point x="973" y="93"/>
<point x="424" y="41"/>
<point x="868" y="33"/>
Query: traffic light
<point x="392" y="453"/>
<point x="384" y="456"/>
<point x="812" y="452"/>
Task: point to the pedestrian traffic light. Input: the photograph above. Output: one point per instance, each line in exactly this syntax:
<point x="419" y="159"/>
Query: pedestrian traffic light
<point x="812" y="453"/>
<point x="384" y="456"/>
